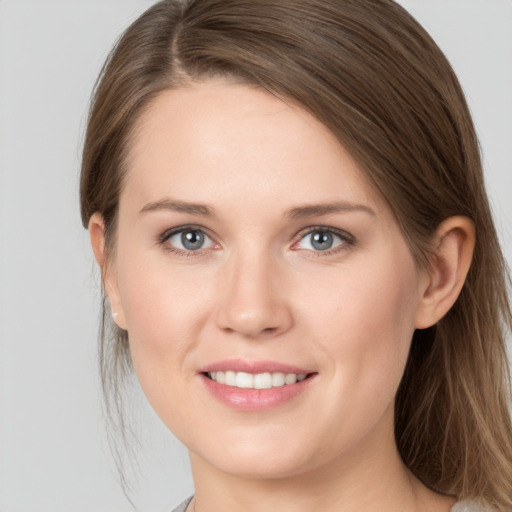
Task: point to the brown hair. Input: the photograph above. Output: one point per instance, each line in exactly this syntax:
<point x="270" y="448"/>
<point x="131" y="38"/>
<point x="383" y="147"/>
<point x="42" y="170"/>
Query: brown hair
<point x="373" y="76"/>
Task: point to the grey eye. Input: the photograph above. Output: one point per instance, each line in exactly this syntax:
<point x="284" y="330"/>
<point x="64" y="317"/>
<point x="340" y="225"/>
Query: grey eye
<point x="320" y="240"/>
<point x="190" y="240"/>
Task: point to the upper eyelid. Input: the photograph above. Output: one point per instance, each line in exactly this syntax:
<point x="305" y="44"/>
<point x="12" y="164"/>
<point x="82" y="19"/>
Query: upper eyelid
<point x="329" y="229"/>
<point x="179" y="229"/>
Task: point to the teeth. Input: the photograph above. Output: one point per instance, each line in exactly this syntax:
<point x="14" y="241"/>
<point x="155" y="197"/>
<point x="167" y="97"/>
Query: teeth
<point x="244" y="380"/>
<point x="277" y="379"/>
<point x="290" y="378"/>
<point x="262" y="381"/>
<point x="256" y="381"/>
<point x="229" y="378"/>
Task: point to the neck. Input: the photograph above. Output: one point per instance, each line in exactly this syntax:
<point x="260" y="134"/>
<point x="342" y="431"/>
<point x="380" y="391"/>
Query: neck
<point x="370" y="478"/>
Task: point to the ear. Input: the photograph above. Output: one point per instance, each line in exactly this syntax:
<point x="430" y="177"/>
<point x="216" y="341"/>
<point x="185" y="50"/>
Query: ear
<point x="454" y="242"/>
<point x="107" y="268"/>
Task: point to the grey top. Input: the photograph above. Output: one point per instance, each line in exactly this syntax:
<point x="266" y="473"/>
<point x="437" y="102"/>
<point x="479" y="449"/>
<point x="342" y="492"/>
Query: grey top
<point x="470" y="506"/>
<point x="461" y="506"/>
<point x="183" y="506"/>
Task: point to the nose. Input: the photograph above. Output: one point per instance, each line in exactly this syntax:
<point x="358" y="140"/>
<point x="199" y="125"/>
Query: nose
<point x="254" y="302"/>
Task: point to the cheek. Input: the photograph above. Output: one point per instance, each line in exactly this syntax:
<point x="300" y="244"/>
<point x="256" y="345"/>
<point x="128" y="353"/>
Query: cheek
<point x="164" y="306"/>
<point x="165" y="312"/>
<point x="368" y="321"/>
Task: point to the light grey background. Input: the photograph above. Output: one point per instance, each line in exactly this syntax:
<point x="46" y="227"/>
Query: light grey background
<point x="53" y="454"/>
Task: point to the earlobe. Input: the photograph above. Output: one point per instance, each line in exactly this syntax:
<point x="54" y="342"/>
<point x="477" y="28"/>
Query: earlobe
<point x="454" y="243"/>
<point x="108" y="275"/>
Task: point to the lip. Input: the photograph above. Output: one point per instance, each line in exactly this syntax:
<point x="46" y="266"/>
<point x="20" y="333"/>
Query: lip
<point x="242" y="365"/>
<point x="255" y="400"/>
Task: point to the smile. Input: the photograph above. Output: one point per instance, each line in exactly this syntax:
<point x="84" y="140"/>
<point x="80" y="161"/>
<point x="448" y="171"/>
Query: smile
<point x="249" y="386"/>
<point x="264" y="380"/>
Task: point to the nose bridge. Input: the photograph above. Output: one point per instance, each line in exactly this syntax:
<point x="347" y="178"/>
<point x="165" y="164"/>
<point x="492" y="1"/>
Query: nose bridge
<point x="254" y="303"/>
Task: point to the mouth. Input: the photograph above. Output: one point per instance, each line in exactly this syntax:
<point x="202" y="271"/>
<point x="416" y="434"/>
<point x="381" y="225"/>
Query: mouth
<point x="256" y="385"/>
<point x="265" y="380"/>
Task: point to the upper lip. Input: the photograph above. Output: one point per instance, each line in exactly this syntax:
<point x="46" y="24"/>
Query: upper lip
<point x="247" y="366"/>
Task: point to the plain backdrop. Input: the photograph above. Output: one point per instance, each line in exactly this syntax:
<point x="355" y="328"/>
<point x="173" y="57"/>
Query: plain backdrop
<point x="53" y="452"/>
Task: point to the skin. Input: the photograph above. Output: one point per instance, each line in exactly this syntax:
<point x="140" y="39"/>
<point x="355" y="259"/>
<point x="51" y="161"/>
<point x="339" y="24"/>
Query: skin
<point x="258" y="290"/>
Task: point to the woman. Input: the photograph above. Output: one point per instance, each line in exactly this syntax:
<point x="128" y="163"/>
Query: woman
<point x="286" y="202"/>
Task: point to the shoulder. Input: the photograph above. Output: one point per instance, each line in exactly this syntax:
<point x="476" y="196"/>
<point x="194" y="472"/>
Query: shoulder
<point x="470" y="506"/>
<point x="183" y="506"/>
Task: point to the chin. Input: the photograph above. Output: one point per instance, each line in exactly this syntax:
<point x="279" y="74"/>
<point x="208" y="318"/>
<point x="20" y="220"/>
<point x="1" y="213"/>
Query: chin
<point x="261" y="467"/>
<point x="259" y="457"/>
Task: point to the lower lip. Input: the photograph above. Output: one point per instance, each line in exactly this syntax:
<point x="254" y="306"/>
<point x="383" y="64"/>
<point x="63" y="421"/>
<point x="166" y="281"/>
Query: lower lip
<point x="253" y="400"/>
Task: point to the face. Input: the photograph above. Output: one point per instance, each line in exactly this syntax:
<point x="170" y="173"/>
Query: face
<point x="268" y="293"/>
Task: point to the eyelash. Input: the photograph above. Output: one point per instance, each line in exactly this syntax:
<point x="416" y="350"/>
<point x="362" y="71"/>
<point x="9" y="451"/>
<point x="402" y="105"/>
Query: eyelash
<point x="163" y="240"/>
<point x="347" y="240"/>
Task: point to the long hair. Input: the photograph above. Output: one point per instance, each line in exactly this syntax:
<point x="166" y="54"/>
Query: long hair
<point x="375" y="78"/>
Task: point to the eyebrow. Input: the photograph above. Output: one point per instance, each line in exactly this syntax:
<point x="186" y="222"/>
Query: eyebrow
<point x="178" y="206"/>
<point x="317" y="210"/>
<point x="299" y="212"/>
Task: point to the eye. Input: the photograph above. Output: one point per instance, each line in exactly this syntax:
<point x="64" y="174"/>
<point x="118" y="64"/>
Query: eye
<point x="323" y="240"/>
<point x="188" y="240"/>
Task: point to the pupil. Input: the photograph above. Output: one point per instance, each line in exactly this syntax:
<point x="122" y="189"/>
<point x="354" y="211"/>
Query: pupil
<point x="322" y="241"/>
<point x="192" y="240"/>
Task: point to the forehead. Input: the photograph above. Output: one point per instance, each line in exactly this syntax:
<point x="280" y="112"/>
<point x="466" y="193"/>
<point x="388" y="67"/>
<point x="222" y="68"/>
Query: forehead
<point x="215" y="140"/>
